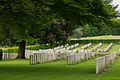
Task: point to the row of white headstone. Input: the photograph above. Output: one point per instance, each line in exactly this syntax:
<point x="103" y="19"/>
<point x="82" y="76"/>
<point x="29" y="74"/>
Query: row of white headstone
<point x="97" y="46"/>
<point x="38" y="58"/>
<point x="66" y="46"/>
<point x="9" y="56"/>
<point x="49" y="55"/>
<point x="63" y="53"/>
<point x="72" y="46"/>
<point x="72" y="58"/>
<point x="59" y="50"/>
<point x="104" y="61"/>
<point x="106" y="49"/>
<point x="86" y="46"/>
<point x="87" y="51"/>
<point x="53" y="51"/>
<point x="14" y="55"/>
<point x="76" y="58"/>
<point x="60" y="47"/>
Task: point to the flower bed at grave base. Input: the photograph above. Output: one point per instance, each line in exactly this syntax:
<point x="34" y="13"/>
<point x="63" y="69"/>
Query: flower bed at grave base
<point x="94" y="40"/>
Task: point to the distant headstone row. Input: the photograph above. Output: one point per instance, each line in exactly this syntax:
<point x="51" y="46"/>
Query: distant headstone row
<point x="97" y="46"/>
<point x="42" y="58"/>
<point x="72" y="57"/>
<point x="87" y="51"/>
<point x="77" y="58"/>
<point x="61" y="50"/>
<point x="104" y="61"/>
<point x="86" y="46"/>
<point x="48" y="55"/>
<point x="30" y="52"/>
<point x="106" y="49"/>
<point x="9" y="56"/>
<point x="72" y="46"/>
<point x="14" y="55"/>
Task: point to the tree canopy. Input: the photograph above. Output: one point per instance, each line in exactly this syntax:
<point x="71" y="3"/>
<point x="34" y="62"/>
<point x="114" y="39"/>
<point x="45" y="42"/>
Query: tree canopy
<point x="24" y="20"/>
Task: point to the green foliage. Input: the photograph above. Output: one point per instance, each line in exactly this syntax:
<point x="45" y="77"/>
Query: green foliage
<point x="96" y="29"/>
<point x="103" y="9"/>
<point x="31" y="20"/>
<point x="104" y="29"/>
<point x="37" y="47"/>
<point x="1" y="54"/>
<point x="20" y="19"/>
<point x="56" y="32"/>
<point x="89" y="31"/>
<point x="30" y="17"/>
<point x="77" y="33"/>
<point x="115" y="27"/>
<point x="33" y="47"/>
<point x="10" y="50"/>
<point x="115" y="31"/>
<point x="83" y="11"/>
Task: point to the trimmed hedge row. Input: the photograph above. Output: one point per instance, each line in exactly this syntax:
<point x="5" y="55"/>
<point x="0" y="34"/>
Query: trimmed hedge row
<point x="10" y="50"/>
<point x="95" y="41"/>
<point x="34" y="47"/>
<point x="37" y="47"/>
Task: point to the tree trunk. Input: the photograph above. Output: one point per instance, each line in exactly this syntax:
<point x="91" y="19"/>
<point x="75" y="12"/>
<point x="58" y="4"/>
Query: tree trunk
<point x="21" y="51"/>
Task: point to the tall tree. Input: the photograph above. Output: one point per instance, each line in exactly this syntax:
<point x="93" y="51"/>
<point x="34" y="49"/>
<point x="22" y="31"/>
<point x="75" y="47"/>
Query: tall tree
<point x="20" y="19"/>
<point x="24" y="19"/>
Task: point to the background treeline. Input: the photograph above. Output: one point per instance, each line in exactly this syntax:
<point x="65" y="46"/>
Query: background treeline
<point x="53" y="21"/>
<point x="98" y="29"/>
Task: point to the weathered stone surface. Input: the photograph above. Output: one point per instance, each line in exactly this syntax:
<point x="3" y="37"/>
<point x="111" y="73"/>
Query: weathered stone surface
<point x="100" y="64"/>
<point x="104" y="61"/>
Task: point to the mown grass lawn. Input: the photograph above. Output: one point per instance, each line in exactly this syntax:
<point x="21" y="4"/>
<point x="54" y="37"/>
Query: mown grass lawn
<point x="58" y="70"/>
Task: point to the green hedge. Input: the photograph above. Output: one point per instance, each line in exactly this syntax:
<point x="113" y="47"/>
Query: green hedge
<point x="95" y="41"/>
<point x="37" y="47"/>
<point x="33" y="47"/>
<point x="10" y="50"/>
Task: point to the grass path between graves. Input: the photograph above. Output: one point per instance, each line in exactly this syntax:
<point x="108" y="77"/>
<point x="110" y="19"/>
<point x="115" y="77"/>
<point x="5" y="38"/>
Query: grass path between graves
<point x="59" y="70"/>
